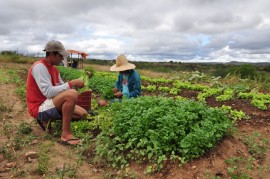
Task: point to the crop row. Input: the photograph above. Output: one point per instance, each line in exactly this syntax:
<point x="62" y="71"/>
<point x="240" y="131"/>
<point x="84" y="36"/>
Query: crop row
<point x="155" y="129"/>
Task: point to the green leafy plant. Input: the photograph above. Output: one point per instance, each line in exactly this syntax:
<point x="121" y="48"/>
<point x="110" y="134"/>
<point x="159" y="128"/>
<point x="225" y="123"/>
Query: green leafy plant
<point x="208" y="92"/>
<point x="108" y="94"/>
<point x="67" y="170"/>
<point x="7" y="152"/>
<point x="90" y="69"/>
<point x="83" y="127"/>
<point x="153" y="128"/>
<point x="235" y="114"/>
<point x="227" y="95"/>
<point x="43" y="159"/>
<point x="258" y="100"/>
<point x="24" y="128"/>
<point x="174" y="91"/>
<point x="239" y="166"/>
<point x="8" y="128"/>
<point x="257" y="144"/>
<point x="164" y="88"/>
<point x="151" y="88"/>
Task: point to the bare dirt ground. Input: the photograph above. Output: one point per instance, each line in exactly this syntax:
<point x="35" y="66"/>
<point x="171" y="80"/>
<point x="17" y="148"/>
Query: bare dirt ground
<point x="210" y="165"/>
<point x="59" y="155"/>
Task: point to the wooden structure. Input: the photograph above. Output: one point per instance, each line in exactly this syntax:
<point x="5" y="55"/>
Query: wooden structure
<point x="77" y="61"/>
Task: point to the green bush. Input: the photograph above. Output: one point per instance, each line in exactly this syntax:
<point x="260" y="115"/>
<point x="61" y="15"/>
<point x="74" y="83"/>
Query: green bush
<point x="247" y="71"/>
<point x="7" y="52"/>
<point x="221" y="71"/>
<point x="15" y="58"/>
<point x="267" y="68"/>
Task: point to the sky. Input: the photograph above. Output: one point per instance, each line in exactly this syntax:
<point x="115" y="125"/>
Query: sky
<point x="143" y="30"/>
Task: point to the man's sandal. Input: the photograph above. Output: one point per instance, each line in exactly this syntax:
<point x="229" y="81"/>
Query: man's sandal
<point x="67" y="142"/>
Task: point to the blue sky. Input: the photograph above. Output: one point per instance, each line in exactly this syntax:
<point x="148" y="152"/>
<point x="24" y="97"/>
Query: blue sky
<point x="144" y="30"/>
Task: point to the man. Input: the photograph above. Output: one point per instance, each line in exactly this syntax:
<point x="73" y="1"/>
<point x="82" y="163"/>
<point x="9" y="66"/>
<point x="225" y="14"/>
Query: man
<point x="48" y="97"/>
<point x="129" y="81"/>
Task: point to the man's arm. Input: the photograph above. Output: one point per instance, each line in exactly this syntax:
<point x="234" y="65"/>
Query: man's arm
<point x="43" y="80"/>
<point x="60" y="79"/>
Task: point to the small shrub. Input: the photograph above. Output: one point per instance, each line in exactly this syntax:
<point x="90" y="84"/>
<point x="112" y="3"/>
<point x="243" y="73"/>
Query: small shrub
<point x="247" y="71"/>
<point x="222" y="72"/>
<point x="267" y="68"/>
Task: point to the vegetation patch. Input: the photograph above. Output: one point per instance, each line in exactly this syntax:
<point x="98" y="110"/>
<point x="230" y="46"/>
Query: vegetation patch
<point x="156" y="129"/>
<point x="257" y="144"/>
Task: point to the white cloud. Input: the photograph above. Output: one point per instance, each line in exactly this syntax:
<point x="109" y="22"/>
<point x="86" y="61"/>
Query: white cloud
<point x="195" y="30"/>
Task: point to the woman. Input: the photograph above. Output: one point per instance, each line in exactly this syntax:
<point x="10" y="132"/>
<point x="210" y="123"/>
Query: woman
<point x="128" y="83"/>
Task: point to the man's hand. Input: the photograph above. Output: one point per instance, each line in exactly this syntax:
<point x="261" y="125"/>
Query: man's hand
<point x="78" y="83"/>
<point x="118" y="94"/>
<point x="89" y="73"/>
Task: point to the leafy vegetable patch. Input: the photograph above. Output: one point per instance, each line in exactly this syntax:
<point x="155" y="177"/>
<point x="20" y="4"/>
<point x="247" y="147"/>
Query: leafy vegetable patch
<point x="156" y="129"/>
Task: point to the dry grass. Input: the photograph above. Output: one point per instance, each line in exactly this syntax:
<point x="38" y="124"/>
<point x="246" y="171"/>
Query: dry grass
<point x="147" y="73"/>
<point x="98" y="67"/>
<point x="153" y="74"/>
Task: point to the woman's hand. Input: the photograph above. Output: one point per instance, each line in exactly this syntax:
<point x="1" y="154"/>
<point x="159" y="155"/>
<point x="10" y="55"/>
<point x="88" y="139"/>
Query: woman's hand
<point x="114" y="90"/>
<point x="102" y="103"/>
<point x="118" y="94"/>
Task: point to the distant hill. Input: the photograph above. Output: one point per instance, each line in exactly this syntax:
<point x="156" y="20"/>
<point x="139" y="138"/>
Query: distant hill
<point x="242" y="63"/>
<point x="239" y="63"/>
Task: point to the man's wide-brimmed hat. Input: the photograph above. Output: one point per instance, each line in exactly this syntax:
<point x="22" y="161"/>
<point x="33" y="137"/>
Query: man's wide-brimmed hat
<point x="122" y="64"/>
<point x="56" y="46"/>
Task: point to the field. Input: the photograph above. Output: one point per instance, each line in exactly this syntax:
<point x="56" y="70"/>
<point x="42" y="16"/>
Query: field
<point x="187" y="124"/>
